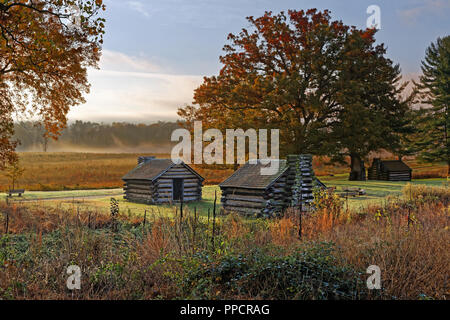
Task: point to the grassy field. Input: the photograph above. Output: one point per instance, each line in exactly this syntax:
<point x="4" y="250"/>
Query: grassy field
<point x="77" y="171"/>
<point x="231" y="257"/>
<point x="420" y="170"/>
<point x="377" y="193"/>
<point x="99" y="200"/>
<point x="72" y="171"/>
<point x="166" y="257"/>
<point x="81" y="171"/>
<point x="87" y="181"/>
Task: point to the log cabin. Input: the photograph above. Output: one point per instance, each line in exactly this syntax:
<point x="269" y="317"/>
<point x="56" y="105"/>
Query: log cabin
<point x="389" y="170"/>
<point x="250" y="193"/>
<point x="158" y="181"/>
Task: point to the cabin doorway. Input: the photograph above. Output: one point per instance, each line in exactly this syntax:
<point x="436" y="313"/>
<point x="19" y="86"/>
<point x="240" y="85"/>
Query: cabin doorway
<point x="177" y="189"/>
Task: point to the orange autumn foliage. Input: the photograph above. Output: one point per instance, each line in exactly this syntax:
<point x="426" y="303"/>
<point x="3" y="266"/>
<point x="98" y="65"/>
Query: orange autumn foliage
<point x="278" y="74"/>
<point x="45" y="50"/>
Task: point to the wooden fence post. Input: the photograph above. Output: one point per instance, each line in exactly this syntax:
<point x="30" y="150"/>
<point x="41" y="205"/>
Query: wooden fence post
<point x="7" y="222"/>
<point x="300" y="217"/>
<point x="214" y="221"/>
<point x="194" y="229"/>
<point x="145" y="217"/>
<point x="181" y="209"/>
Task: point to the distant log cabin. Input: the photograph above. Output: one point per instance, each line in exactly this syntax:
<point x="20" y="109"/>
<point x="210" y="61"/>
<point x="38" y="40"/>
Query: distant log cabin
<point x="248" y="192"/>
<point x="251" y="193"/>
<point x="156" y="181"/>
<point x="389" y="170"/>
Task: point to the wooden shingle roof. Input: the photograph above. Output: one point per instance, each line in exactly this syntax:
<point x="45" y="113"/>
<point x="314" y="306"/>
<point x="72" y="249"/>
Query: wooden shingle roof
<point x="153" y="169"/>
<point x="395" y="165"/>
<point x="249" y="176"/>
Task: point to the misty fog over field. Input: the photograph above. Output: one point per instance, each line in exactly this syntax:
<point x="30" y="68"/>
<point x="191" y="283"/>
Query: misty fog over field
<point x="82" y="136"/>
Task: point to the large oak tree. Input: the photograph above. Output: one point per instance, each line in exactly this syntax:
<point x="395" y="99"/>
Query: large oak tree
<point x="294" y="72"/>
<point x="280" y="74"/>
<point x="46" y="47"/>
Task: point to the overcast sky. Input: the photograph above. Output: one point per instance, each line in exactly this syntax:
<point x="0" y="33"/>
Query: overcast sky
<point x="156" y="52"/>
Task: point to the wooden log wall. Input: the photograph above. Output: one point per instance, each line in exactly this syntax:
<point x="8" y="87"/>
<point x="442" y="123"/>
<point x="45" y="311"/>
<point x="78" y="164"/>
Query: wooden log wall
<point x="295" y="186"/>
<point x="277" y="197"/>
<point x="400" y="176"/>
<point x="142" y="191"/>
<point x="378" y="172"/>
<point x="192" y="190"/>
<point x="248" y="202"/>
<point x="257" y="202"/>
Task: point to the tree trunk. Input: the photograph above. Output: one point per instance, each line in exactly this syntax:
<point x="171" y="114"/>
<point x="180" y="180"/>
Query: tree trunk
<point x="447" y="145"/>
<point x="358" y="170"/>
<point x="45" y="143"/>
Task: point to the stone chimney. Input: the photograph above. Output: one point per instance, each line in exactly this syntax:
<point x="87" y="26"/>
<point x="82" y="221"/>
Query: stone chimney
<point x="300" y="181"/>
<point x="142" y="160"/>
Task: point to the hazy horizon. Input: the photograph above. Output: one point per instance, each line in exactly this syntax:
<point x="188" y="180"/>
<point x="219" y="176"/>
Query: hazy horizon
<point x="156" y="53"/>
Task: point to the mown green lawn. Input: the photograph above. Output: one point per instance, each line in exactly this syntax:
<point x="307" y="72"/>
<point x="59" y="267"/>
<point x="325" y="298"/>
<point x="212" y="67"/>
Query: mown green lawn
<point x="38" y="195"/>
<point x="202" y="207"/>
<point x="377" y="191"/>
<point x="100" y="200"/>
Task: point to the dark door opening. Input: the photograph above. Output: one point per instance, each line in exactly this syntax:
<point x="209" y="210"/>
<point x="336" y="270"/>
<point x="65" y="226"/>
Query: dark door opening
<point x="177" y="189"/>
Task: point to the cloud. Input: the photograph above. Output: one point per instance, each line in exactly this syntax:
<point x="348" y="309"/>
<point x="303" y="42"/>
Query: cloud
<point x="139" y="7"/>
<point x="134" y="89"/>
<point x="117" y="61"/>
<point x="429" y="7"/>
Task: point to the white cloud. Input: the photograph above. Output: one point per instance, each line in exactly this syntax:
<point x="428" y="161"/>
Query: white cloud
<point x="430" y="6"/>
<point x="134" y="89"/>
<point x="117" y="61"/>
<point x="139" y="7"/>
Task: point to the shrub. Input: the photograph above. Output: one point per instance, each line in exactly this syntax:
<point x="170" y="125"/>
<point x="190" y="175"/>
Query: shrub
<point x="170" y="258"/>
<point x="427" y="193"/>
<point x="306" y="274"/>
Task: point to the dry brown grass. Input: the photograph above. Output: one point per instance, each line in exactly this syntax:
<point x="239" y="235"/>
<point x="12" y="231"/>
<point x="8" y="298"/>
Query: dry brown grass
<point x="427" y="193"/>
<point x="408" y="240"/>
<point x="414" y="260"/>
<point x="80" y="171"/>
<point x="430" y="174"/>
<point x="68" y="171"/>
<point x="215" y="175"/>
<point x="25" y="219"/>
<point x="420" y="170"/>
<point x="76" y="171"/>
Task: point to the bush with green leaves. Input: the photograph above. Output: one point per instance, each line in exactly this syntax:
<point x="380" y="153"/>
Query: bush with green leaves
<point x="306" y="274"/>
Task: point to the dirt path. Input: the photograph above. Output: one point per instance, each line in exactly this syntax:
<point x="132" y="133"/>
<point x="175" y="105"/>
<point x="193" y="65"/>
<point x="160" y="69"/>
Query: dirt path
<point x="16" y="200"/>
